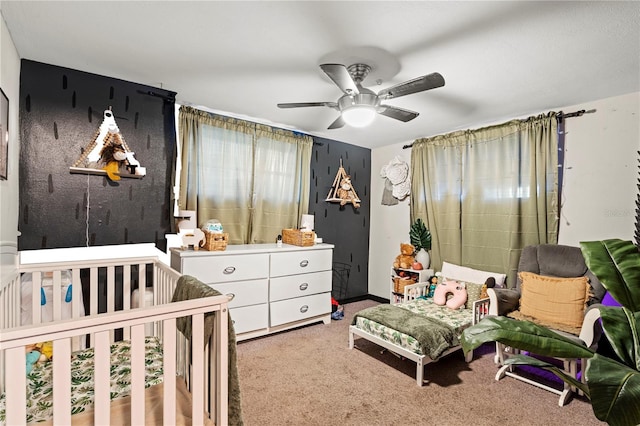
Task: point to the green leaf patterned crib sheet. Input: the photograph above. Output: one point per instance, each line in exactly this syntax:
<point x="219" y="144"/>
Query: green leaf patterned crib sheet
<point x="40" y="380"/>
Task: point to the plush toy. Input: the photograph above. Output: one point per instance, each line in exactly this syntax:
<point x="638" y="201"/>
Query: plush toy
<point x="346" y="193"/>
<point x="113" y="155"/>
<point x="455" y="288"/>
<point x="32" y="359"/>
<point x="490" y="283"/>
<point x="46" y="350"/>
<point x="405" y="259"/>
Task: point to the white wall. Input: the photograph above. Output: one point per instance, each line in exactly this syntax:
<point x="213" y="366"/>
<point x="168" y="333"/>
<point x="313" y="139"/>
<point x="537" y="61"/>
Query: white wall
<point x="601" y="171"/>
<point x="599" y="192"/>
<point x="10" y="84"/>
<point x="389" y="225"/>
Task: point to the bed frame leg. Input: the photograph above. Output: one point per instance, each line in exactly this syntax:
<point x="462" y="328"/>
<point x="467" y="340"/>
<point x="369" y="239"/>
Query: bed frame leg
<point x="420" y="372"/>
<point x="351" y="340"/>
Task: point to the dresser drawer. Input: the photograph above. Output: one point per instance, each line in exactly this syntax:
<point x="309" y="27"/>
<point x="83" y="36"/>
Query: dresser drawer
<point x="217" y="269"/>
<point x="250" y="318"/>
<point x="245" y="292"/>
<point x="288" y="287"/>
<point x="300" y="262"/>
<point x="300" y="308"/>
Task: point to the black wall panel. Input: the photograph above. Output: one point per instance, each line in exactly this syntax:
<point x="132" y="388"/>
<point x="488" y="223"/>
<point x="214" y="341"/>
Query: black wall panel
<point x="344" y="226"/>
<point x="60" y="112"/>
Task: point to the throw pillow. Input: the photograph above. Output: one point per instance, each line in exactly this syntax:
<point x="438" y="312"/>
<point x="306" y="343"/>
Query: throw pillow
<point x="554" y="300"/>
<point x="474" y="292"/>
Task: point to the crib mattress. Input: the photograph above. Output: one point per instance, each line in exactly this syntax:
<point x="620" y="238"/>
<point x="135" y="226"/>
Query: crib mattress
<point x="458" y="320"/>
<point x="40" y="380"/>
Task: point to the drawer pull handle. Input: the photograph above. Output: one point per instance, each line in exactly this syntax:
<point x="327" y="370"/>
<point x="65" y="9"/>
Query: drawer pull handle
<point x="304" y="309"/>
<point x="231" y="296"/>
<point x="304" y="263"/>
<point x="229" y="270"/>
<point x="304" y="286"/>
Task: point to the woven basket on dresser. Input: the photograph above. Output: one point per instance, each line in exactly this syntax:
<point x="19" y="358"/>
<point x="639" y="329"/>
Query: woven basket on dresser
<point x="297" y="237"/>
<point x="215" y="241"/>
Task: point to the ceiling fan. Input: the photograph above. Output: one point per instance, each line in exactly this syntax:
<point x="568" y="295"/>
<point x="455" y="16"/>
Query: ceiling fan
<point x="359" y="105"/>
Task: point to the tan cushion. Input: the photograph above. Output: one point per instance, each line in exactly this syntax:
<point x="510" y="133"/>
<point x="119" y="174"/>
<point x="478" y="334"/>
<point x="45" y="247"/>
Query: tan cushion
<point x="554" y="300"/>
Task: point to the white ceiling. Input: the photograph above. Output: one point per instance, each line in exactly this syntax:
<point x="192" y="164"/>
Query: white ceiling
<point x="500" y="60"/>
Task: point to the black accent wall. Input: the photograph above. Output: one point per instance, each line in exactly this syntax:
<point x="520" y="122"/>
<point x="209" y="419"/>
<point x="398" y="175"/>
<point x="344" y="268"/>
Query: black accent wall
<point x="60" y="111"/>
<point x="344" y="226"/>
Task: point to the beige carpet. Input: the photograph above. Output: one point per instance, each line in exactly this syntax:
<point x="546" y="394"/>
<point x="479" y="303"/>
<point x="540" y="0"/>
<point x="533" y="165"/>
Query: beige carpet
<point x="308" y="376"/>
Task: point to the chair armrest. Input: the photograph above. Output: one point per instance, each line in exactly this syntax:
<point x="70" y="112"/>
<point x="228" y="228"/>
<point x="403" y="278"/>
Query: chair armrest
<point x="591" y="330"/>
<point x="503" y="300"/>
<point x="413" y="291"/>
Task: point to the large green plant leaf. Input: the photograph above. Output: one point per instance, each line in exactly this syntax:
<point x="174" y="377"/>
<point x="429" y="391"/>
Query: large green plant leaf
<point x="616" y="263"/>
<point x="523" y="335"/>
<point x="419" y="235"/>
<point x="622" y="329"/>
<point x="614" y="391"/>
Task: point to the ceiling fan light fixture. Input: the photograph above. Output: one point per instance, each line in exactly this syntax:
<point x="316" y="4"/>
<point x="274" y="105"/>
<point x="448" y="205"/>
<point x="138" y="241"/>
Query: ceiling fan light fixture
<point x="359" y="115"/>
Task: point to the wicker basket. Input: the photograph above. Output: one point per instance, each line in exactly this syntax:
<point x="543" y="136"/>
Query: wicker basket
<point x="215" y="241"/>
<point x="297" y="237"/>
<point x="400" y="283"/>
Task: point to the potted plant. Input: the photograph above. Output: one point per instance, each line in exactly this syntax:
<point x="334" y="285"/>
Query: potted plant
<point x="420" y="238"/>
<point x="612" y="384"/>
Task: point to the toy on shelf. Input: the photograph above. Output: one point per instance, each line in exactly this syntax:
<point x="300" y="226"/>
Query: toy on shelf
<point x="405" y="259"/>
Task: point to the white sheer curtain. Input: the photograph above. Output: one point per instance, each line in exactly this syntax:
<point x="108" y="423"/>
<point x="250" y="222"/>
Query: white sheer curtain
<point x="487" y="193"/>
<point x="253" y="178"/>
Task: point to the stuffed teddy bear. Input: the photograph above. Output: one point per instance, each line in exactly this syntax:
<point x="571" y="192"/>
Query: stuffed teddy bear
<point x="405" y="259"/>
<point x="346" y="193"/>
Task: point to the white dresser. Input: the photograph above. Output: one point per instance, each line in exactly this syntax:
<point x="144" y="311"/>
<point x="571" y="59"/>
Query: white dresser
<point x="275" y="288"/>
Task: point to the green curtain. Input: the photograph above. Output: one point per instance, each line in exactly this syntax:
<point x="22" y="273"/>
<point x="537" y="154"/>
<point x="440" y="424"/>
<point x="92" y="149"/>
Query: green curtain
<point x="485" y="194"/>
<point x="253" y="178"/>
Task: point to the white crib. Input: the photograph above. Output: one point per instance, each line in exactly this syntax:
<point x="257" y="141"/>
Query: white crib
<point x="110" y="273"/>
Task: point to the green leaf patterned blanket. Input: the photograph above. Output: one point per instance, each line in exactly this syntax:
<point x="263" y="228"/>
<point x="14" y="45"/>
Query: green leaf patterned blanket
<point x="433" y="336"/>
<point x="40" y="380"/>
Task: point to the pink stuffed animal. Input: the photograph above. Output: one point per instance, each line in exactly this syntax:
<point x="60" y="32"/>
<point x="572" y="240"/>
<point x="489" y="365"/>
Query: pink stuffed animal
<point x="450" y="287"/>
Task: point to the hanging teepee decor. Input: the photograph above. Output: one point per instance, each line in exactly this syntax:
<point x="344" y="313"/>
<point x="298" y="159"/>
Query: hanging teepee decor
<point x="108" y="154"/>
<point x="342" y="191"/>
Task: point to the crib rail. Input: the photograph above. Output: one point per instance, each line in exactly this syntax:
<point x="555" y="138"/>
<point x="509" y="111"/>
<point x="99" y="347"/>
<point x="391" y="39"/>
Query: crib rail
<point x="89" y="299"/>
<point x="12" y="344"/>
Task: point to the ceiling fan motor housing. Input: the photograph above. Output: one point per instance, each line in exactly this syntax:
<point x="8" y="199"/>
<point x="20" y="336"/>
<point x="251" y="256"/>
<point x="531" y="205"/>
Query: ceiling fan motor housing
<point x="363" y="99"/>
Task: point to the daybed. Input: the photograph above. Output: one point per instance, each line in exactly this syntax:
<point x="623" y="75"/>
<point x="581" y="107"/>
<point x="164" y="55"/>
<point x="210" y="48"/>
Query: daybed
<point x="420" y="330"/>
<point x="177" y="372"/>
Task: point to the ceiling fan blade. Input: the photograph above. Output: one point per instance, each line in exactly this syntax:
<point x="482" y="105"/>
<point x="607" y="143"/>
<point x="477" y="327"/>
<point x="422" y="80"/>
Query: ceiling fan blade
<point x="308" y="104"/>
<point x="337" y="124"/>
<point x="341" y="77"/>
<point x="397" y="113"/>
<point x="420" y="84"/>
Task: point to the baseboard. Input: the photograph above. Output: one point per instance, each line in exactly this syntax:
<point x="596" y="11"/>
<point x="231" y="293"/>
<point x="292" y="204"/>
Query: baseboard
<point x="364" y="297"/>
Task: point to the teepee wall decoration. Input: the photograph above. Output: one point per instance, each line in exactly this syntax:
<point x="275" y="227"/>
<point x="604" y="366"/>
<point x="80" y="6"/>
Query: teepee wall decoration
<point x="342" y="190"/>
<point x="108" y="154"/>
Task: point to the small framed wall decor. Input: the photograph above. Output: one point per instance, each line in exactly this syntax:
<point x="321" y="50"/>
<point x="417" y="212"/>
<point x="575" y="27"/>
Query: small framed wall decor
<point x="4" y="134"/>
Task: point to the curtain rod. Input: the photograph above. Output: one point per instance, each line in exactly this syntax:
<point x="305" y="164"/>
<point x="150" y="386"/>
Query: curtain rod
<point x="560" y="116"/>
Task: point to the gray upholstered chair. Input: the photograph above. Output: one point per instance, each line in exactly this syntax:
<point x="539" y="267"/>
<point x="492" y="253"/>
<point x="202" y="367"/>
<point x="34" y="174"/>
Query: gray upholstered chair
<point x="550" y="260"/>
